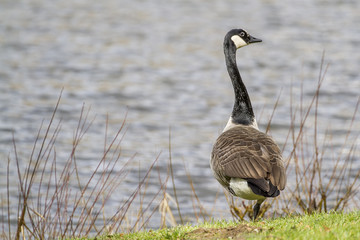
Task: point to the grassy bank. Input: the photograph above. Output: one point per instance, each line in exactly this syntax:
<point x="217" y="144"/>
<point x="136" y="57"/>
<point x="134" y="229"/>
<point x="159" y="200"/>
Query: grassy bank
<point x="315" y="226"/>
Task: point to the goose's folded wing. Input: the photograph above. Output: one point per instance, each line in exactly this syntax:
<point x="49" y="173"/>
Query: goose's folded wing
<point x="247" y="153"/>
<point x="245" y="164"/>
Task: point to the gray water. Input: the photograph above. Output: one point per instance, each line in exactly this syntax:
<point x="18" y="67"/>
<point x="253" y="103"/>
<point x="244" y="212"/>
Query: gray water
<point x="162" y="64"/>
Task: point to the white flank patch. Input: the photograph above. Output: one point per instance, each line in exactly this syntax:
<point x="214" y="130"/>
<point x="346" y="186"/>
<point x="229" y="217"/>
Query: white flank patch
<point x="238" y="41"/>
<point x="230" y="124"/>
<point x="242" y="189"/>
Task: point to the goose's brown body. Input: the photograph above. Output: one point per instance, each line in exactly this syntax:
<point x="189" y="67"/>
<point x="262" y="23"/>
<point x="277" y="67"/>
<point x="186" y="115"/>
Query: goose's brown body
<point x="245" y="152"/>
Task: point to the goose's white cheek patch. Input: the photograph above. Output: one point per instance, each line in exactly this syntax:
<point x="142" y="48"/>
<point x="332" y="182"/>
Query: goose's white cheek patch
<point x="238" y="41"/>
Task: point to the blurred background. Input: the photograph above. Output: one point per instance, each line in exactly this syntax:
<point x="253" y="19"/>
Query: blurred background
<point x="161" y="64"/>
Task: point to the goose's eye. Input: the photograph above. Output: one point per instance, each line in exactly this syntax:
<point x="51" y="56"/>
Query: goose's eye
<point x="242" y="34"/>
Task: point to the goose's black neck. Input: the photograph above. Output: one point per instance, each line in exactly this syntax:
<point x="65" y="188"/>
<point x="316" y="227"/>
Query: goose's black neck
<point x="242" y="112"/>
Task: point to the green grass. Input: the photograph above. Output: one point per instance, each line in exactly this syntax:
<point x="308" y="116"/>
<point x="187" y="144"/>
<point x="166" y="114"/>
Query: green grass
<point x="315" y="226"/>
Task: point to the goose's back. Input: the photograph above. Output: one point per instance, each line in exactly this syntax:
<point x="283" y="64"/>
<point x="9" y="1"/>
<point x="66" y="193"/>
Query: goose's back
<point x="245" y="152"/>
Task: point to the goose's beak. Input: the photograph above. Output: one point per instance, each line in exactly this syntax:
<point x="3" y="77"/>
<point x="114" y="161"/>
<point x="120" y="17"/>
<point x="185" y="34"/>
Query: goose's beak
<point x="254" y="40"/>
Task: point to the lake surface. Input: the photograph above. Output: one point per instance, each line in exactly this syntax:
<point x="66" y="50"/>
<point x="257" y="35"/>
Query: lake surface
<point x="161" y="64"/>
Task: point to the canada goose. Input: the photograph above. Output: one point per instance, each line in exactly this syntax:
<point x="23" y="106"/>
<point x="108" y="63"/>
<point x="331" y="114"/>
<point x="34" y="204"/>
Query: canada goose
<point x="245" y="161"/>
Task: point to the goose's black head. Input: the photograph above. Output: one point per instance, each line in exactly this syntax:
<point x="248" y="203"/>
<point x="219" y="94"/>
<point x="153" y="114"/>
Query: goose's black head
<point x="240" y="38"/>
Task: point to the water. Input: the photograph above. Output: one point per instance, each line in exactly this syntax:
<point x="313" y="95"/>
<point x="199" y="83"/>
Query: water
<point x="161" y="63"/>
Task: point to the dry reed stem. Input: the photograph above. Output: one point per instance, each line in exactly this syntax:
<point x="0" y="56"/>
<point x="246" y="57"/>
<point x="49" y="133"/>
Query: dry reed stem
<point x="173" y="180"/>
